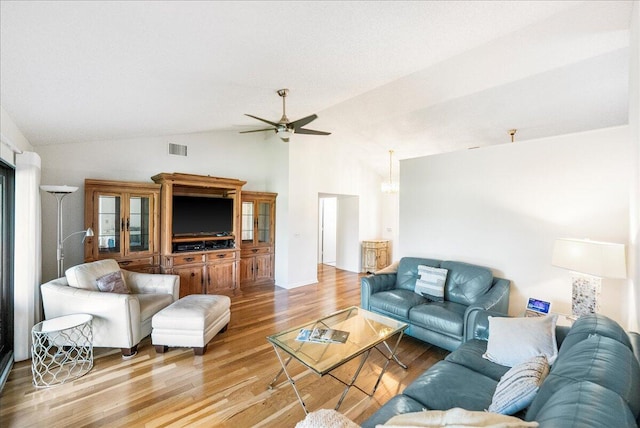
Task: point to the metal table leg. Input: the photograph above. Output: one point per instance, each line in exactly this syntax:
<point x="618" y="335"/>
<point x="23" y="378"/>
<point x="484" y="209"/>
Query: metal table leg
<point x="284" y="365"/>
<point x="363" y="358"/>
<point x="393" y="356"/>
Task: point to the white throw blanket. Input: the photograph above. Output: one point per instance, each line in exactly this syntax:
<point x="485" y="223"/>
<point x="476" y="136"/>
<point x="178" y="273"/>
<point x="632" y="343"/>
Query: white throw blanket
<point x="453" y="418"/>
<point x="456" y="418"/>
<point x="325" y="418"/>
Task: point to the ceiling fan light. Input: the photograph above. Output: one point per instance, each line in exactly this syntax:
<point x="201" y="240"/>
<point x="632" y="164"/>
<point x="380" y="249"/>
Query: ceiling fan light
<point x="284" y="134"/>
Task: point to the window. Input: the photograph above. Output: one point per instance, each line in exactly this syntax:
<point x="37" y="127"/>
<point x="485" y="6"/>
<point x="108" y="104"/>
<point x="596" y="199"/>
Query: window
<point x="7" y="191"/>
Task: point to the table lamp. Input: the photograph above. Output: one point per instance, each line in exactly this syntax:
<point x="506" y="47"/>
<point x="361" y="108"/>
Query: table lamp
<point x="590" y="261"/>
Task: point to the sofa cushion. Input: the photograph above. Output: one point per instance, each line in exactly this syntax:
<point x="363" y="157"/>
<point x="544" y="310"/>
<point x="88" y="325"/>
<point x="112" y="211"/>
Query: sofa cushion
<point x="398" y="405"/>
<point x="515" y="340"/>
<point x="431" y="282"/>
<point x="583" y="404"/>
<point x="518" y="387"/>
<point x="443" y="317"/>
<point x="466" y="282"/>
<point x="587" y="325"/>
<point x="395" y="302"/>
<point x="408" y="271"/>
<point x="597" y="359"/>
<point x="150" y="304"/>
<point x="446" y="385"/>
<point x="85" y="275"/>
<point x="469" y="355"/>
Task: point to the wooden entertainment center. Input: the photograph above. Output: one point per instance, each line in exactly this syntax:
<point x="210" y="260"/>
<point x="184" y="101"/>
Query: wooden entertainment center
<point x="207" y="263"/>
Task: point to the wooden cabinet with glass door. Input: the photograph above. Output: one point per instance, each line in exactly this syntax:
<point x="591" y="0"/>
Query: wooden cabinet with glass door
<point x="124" y="218"/>
<point x="258" y="237"/>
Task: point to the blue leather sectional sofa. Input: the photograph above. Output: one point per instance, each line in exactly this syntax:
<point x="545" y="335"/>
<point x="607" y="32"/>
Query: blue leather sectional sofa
<point x="468" y="289"/>
<point x="594" y="382"/>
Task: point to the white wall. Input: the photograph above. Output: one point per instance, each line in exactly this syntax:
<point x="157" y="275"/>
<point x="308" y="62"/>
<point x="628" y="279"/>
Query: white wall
<point x="298" y="171"/>
<point x="634" y="124"/>
<point x="217" y="154"/>
<point x="12" y="138"/>
<point x="327" y="212"/>
<point x="503" y="206"/>
<point x="390" y="222"/>
<point x="321" y="166"/>
<point x="348" y="232"/>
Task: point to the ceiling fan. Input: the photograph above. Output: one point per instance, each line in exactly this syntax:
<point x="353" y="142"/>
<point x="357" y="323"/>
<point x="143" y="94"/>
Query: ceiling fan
<point x="284" y="128"/>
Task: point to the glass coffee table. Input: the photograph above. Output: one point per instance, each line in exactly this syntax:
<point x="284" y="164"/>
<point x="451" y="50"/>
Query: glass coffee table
<point x="366" y="331"/>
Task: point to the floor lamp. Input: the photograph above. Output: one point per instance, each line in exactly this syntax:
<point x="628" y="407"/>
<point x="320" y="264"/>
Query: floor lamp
<point x="590" y="261"/>
<point x="60" y="192"/>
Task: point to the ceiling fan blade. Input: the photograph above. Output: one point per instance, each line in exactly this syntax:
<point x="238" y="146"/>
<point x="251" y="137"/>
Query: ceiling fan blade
<point x="263" y="120"/>
<point x="311" y="132"/>
<point x="258" y="130"/>
<point x="302" y="122"/>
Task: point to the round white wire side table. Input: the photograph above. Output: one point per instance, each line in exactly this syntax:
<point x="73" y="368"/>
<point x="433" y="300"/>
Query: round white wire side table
<point x="62" y="349"/>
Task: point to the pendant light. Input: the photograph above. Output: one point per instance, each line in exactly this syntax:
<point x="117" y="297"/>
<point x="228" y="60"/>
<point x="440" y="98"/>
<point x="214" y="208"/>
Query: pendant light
<point x="390" y="186"/>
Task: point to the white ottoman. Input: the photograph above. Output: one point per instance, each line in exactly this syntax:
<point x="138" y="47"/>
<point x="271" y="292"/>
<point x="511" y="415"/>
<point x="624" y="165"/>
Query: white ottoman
<point x="190" y="322"/>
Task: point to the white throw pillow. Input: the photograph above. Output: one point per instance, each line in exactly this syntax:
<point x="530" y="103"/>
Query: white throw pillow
<point x="513" y="341"/>
<point x="518" y="387"/>
<point x="431" y="283"/>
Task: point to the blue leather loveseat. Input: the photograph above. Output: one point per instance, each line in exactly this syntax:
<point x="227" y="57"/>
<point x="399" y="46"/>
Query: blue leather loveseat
<point x="594" y="382"/>
<point x="468" y="289"/>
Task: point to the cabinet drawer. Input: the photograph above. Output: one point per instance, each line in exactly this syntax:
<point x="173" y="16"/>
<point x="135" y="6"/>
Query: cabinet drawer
<point x="144" y="261"/>
<point x="248" y="252"/>
<point x="375" y="244"/>
<point x="188" y="259"/>
<point x="221" y="256"/>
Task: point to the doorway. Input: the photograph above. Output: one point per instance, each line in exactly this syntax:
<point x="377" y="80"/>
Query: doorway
<point x="327" y="234"/>
<point x="339" y="231"/>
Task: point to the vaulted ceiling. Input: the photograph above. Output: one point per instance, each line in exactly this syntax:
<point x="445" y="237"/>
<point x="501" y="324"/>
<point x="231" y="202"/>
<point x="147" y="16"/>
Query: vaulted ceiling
<point x="416" y="77"/>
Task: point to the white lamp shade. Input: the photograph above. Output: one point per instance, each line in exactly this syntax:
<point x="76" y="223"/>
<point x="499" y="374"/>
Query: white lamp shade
<point x="58" y="189"/>
<point x="603" y="259"/>
<point x="389" y="187"/>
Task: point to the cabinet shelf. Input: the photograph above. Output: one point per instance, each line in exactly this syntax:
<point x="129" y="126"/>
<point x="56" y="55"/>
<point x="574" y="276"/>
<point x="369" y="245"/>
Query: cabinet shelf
<point x="198" y="238"/>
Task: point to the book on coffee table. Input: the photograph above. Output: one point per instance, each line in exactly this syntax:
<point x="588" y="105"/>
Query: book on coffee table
<point x="322" y="335"/>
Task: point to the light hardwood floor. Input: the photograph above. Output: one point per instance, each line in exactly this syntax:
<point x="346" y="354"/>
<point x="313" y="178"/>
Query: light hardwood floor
<point x="227" y="387"/>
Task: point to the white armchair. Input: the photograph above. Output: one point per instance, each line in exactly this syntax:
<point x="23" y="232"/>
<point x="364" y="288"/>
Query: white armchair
<point x="119" y="320"/>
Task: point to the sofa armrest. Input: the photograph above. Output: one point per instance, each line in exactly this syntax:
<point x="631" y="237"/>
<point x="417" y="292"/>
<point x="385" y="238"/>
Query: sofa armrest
<point x="149" y="283"/>
<point x="116" y="317"/>
<point x="496" y="300"/>
<point x="478" y="324"/>
<point x="634" y="338"/>
<point x="374" y="284"/>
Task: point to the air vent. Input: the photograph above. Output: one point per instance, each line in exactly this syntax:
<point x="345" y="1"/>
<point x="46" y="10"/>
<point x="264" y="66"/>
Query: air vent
<point x="177" y="149"/>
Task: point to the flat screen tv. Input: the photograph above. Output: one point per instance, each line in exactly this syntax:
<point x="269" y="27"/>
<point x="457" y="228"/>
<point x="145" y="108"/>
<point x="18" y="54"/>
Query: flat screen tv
<point x="201" y="215"/>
